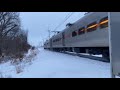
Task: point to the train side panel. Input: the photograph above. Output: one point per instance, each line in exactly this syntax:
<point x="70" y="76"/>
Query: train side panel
<point x="97" y="38"/>
<point x="57" y="41"/>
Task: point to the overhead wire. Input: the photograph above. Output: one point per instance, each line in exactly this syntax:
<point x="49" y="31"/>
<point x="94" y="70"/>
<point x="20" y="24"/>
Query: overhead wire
<point x="66" y="18"/>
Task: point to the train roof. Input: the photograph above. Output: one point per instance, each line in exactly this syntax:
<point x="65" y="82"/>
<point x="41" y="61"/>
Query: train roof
<point x="86" y="15"/>
<point x="83" y="19"/>
<point x="76" y="22"/>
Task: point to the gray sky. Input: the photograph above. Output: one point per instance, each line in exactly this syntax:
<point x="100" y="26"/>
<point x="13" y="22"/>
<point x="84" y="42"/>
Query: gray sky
<point x="37" y="23"/>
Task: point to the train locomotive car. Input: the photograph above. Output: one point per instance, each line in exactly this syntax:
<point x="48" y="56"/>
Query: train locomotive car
<point x="87" y="35"/>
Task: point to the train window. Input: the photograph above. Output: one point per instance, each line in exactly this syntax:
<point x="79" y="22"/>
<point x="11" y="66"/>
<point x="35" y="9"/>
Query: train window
<point x="92" y="27"/>
<point x="74" y="33"/>
<point x="56" y="40"/>
<point x="81" y="31"/>
<point x="103" y="22"/>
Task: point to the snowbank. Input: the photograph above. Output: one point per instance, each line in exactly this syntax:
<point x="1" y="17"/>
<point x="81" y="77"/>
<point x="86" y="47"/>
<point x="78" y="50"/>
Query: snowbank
<point x="48" y="64"/>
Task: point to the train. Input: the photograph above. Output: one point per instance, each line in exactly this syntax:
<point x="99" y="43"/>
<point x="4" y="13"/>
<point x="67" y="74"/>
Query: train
<point x="90" y="34"/>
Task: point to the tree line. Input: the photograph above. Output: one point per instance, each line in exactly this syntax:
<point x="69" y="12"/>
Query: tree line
<point x="13" y="38"/>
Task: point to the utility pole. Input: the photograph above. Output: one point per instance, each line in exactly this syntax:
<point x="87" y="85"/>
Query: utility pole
<point x="43" y="42"/>
<point x="49" y="33"/>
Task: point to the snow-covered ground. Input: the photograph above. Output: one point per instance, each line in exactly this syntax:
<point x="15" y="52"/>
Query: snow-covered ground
<point x="49" y="64"/>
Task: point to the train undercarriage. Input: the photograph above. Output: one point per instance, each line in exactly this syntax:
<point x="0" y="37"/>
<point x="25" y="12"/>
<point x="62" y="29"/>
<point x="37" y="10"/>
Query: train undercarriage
<point x="104" y="51"/>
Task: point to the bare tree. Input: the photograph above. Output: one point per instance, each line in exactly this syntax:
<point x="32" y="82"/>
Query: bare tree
<point x="13" y="38"/>
<point x="9" y="23"/>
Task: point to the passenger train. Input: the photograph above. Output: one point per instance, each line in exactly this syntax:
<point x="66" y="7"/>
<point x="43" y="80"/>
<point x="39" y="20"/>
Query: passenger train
<point x="87" y="35"/>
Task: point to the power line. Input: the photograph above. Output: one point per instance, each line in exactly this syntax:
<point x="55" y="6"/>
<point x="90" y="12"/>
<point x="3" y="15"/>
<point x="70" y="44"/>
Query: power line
<point x="67" y="17"/>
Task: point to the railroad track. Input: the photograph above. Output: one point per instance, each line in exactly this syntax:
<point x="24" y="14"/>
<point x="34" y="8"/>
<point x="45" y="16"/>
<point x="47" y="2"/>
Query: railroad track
<point x="87" y="56"/>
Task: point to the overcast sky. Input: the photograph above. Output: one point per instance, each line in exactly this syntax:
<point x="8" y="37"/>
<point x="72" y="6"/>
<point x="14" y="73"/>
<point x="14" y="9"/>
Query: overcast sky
<point x="37" y="23"/>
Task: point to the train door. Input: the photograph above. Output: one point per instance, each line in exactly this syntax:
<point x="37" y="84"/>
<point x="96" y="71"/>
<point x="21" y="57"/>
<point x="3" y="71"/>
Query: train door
<point x="63" y="38"/>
